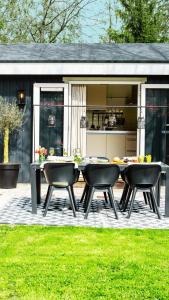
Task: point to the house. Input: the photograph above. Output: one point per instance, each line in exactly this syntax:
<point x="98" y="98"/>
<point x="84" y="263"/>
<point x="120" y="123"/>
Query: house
<point x="106" y="99"/>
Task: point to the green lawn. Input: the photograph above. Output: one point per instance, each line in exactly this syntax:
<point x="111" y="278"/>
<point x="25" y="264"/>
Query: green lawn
<point x="44" y="263"/>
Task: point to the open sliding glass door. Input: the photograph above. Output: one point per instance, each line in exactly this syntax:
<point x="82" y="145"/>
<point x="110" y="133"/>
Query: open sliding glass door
<point x="154" y="137"/>
<point x="50" y="117"/>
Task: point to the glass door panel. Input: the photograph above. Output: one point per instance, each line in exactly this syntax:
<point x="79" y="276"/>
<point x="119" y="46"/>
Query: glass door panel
<point x="50" y="118"/>
<point x="156" y="123"/>
<point x="51" y="121"/>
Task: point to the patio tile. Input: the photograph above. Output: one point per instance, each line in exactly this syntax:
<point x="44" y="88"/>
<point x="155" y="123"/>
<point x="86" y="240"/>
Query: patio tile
<point x="15" y="208"/>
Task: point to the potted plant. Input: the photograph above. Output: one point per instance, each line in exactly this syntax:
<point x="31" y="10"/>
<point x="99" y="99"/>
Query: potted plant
<point x="10" y="120"/>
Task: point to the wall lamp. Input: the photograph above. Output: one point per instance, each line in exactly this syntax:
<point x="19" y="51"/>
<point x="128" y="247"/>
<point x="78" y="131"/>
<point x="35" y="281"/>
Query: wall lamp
<point x="51" y="121"/>
<point x="21" y="98"/>
<point x="141" y="123"/>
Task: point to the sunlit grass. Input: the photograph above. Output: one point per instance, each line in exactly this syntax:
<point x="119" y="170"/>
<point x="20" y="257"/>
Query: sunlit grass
<point x="44" y="263"/>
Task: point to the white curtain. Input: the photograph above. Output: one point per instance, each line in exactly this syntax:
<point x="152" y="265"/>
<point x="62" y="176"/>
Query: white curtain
<point x="78" y="110"/>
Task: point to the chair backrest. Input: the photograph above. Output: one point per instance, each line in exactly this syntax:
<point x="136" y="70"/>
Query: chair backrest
<point x="59" y="172"/>
<point x="146" y="174"/>
<point x="101" y="174"/>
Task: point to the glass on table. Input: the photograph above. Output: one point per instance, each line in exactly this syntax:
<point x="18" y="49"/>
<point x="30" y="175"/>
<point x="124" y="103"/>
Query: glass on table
<point x="148" y="158"/>
<point x="51" y="151"/>
<point x="141" y="159"/>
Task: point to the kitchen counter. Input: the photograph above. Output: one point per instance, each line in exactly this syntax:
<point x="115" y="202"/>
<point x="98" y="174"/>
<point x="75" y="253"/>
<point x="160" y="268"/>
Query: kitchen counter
<point x="111" y="132"/>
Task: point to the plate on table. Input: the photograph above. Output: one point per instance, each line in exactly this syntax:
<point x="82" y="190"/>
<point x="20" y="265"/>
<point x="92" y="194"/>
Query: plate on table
<point x="102" y="161"/>
<point x="95" y="159"/>
<point x="60" y="158"/>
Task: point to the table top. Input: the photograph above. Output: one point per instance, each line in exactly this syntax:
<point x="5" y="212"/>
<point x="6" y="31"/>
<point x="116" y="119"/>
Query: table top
<point x="82" y="165"/>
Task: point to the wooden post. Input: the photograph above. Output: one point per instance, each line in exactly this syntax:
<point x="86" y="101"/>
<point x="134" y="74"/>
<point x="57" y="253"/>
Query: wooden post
<point x="6" y="145"/>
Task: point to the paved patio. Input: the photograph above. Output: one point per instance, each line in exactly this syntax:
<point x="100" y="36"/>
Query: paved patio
<point x="15" y="208"/>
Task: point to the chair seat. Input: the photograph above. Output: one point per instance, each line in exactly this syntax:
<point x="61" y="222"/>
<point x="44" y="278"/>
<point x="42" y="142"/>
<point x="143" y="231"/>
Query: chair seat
<point x="143" y="186"/>
<point x="101" y="187"/>
<point x="60" y="184"/>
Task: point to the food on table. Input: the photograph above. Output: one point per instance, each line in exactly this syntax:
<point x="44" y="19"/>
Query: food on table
<point x="117" y="160"/>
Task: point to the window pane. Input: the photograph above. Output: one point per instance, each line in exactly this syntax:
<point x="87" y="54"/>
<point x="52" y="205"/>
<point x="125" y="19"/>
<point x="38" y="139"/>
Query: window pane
<point x="51" y="120"/>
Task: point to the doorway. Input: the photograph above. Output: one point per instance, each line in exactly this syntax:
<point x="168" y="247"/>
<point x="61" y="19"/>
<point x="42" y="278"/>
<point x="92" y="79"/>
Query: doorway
<point x="112" y="111"/>
<point x="50" y="117"/>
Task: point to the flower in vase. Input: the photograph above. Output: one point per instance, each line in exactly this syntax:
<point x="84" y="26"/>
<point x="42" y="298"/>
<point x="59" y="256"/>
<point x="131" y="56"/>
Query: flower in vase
<point x="42" y="151"/>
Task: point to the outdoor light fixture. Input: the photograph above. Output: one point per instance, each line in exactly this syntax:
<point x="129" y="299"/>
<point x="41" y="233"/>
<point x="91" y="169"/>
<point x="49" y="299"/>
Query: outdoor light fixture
<point x="83" y="122"/>
<point x="21" y="98"/>
<point x="51" y="121"/>
<point x="140" y="123"/>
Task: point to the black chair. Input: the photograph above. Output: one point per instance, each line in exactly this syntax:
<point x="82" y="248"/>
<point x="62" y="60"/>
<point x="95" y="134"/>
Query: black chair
<point x="127" y="193"/>
<point x="144" y="178"/>
<point x="60" y="175"/>
<point x="86" y="187"/>
<point x="100" y="177"/>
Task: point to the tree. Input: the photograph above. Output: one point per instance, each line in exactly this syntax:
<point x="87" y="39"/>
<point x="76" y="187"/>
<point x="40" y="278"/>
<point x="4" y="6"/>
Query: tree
<point x="10" y="119"/>
<point x="142" y="21"/>
<point x="40" y="21"/>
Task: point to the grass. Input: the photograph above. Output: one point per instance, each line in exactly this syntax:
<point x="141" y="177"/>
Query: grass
<point x="48" y="263"/>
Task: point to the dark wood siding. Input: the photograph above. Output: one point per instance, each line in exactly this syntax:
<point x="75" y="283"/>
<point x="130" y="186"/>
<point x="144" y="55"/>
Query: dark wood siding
<point x="158" y="79"/>
<point x="21" y="141"/>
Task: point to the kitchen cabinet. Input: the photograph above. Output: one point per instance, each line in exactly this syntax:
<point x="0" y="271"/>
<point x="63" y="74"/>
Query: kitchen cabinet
<point x="96" y="144"/>
<point x="111" y="144"/>
<point x="131" y="145"/>
<point x="115" y="146"/>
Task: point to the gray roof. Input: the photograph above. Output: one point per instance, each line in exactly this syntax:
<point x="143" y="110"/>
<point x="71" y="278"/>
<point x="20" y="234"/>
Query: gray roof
<point x="85" y="52"/>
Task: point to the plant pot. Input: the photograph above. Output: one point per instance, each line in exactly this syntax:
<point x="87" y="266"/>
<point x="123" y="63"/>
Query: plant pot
<point x="9" y="175"/>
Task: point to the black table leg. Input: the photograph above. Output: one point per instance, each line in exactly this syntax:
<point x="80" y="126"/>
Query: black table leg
<point x="38" y="185"/>
<point x="167" y="193"/>
<point x="35" y="187"/>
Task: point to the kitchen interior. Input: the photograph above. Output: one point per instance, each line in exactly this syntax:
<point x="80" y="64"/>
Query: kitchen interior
<point x="112" y="120"/>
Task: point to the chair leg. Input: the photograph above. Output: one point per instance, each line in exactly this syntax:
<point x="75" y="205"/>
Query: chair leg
<point x="90" y="197"/>
<point x="74" y="199"/>
<point x="155" y="203"/>
<point x="125" y="204"/>
<point x="105" y="197"/>
<point x="148" y="195"/>
<point x="111" y="197"/>
<point x="84" y="193"/>
<point x="47" y="195"/>
<point x="151" y="202"/>
<point x="132" y="201"/>
<point x="48" y="198"/>
<point x="124" y="194"/>
<point x="86" y="197"/>
<point x="145" y="198"/>
<point x="71" y="200"/>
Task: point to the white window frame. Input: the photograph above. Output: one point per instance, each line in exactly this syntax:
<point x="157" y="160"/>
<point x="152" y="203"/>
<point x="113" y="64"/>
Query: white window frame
<point x="144" y="87"/>
<point x="113" y="80"/>
<point x="36" y="113"/>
